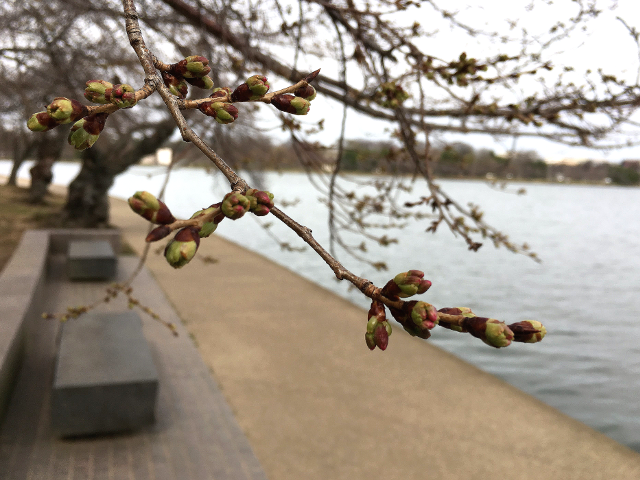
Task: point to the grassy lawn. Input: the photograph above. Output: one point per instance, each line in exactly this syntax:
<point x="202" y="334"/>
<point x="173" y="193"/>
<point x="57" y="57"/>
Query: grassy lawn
<point x="18" y="215"/>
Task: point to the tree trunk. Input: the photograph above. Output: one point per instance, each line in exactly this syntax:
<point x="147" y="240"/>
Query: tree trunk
<point x="87" y="201"/>
<point x="22" y="148"/>
<point x="49" y="150"/>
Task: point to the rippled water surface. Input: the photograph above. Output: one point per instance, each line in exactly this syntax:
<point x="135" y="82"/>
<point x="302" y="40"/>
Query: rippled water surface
<point x="586" y="291"/>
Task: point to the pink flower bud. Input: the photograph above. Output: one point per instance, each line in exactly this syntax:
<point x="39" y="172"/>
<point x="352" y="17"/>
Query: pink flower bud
<point x="234" y="205"/>
<point x="123" y="96"/>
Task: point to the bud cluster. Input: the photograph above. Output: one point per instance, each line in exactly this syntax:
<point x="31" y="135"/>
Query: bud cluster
<point x="390" y="95"/>
<point x="183" y="247"/>
<point x="378" y="329"/>
<point x="418" y="318"/>
<point x="87" y="128"/>
<point x="223" y="112"/>
<point x="192" y="70"/>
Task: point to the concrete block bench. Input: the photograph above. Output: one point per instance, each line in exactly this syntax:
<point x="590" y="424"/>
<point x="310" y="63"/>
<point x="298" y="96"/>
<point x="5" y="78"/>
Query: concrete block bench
<point x="91" y="260"/>
<point x="105" y="379"/>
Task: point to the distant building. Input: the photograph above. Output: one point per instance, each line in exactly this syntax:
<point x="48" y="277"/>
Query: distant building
<point x="163" y="156"/>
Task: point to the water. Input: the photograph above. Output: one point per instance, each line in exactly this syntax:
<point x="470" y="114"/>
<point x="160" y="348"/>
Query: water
<point x="586" y="291"/>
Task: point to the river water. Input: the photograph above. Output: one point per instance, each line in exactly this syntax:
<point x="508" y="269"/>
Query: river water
<point x="586" y="291"/>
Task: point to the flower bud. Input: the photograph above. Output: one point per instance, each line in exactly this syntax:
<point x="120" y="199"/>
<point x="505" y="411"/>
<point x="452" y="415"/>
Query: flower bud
<point x="176" y="85"/>
<point x="208" y="227"/>
<point x="41" y="122"/>
<point x="205" y="82"/>
<point x="261" y="202"/>
<point x="148" y="206"/>
<point x="98" y="91"/>
<point x="381" y="337"/>
<point x="307" y="92"/>
<point x="234" y="205"/>
<point x="258" y="85"/>
<point x="158" y="233"/>
<point x="290" y="104"/>
<point x="224" y="113"/>
<point x="424" y="315"/>
<point x="372" y="324"/>
<point x="221" y="92"/>
<point x="85" y="132"/>
<point x="253" y="89"/>
<point x="411" y="283"/>
<point x="378" y="329"/>
<point x="123" y="96"/>
<point x="371" y="341"/>
<point x="194" y="66"/>
<point x="183" y="247"/>
<point x="491" y="331"/>
<point x="528" y="331"/>
<point x="64" y="110"/>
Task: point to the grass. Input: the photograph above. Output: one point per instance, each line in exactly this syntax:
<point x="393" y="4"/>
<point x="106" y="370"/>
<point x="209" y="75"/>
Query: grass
<point x="18" y="215"/>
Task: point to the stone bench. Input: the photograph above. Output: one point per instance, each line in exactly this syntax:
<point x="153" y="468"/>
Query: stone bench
<point x="105" y="379"/>
<point x="21" y="286"/>
<point x="91" y="260"/>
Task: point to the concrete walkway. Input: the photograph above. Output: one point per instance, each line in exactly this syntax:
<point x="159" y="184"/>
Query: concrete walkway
<point x="315" y="403"/>
<point x="195" y="437"/>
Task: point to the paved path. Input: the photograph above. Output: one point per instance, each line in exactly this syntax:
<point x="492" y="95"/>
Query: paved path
<point x="315" y="403"/>
<point x="195" y="437"/>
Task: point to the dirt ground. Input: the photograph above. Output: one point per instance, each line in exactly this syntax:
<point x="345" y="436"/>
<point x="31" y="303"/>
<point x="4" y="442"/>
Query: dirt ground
<point x="18" y="215"/>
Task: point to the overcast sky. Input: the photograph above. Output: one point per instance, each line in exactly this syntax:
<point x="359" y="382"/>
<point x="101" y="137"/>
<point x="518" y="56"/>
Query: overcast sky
<point x="605" y="44"/>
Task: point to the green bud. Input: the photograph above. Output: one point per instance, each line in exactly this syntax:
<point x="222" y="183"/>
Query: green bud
<point x="423" y="315"/>
<point x="176" y="84"/>
<point x="64" y="110"/>
<point x="371" y="341"/>
<point x="301" y="105"/>
<point x="208" y="227"/>
<point x="387" y="326"/>
<point x="528" y="331"/>
<point x="41" y="122"/>
<point x="196" y="66"/>
<point x="148" y="206"/>
<point x="224" y="113"/>
<point x="123" y="96"/>
<point x="372" y="324"/>
<point x="497" y="334"/>
<point x="235" y="205"/>
<point x="290" y="104"/>
<point x="85" y="132"/>
<point x="98" y="91"/>
<point x="60" y="110"/>
<point x="183" y="247"/>
<point x="411" y="283"/>
<point x="258" y="85"/>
